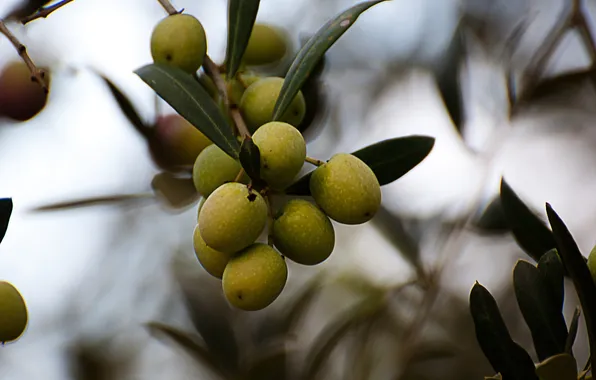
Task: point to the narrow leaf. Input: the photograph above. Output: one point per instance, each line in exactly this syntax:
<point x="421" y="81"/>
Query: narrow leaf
<point x="492" y="220"/>
<point x="529" y="231"/>
<point x="551" y="269"/>
<point x="579" y="273"/>
<point x="572" y="331"/>
<point x="313" y="51"/>
<point x="558" y="367"/>
<point x="448" y="79"/>
<point x="186" y="95"/>
<point x="241" y="19"/>
<point x="250" y="158"/>
<point x="542" y="314"/>
<point x="5" y="212"/>
<point x="109" y="200"/>
<point x="505" y="356"/>
<point x="389" y="160"/>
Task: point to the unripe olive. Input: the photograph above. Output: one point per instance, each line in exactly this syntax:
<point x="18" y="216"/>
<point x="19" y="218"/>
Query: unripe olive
<point x="346" y="189"/>
<point x="259" y="100"/>
<point x="179" y="40"/>
<point x="13" y="313"/>
<point x="20" y="97"/>
<point x="232" y="217"/>
<point x="303" y="233"/>
<point x="248" y="77"/>
<point x="213" y="168"/>
<point x="176" y="142"/>
<point x="283" y="151"/>
<point x="214" y="262"/>
<point x="266" y="45"/>
<point x="255" y="277"/>
<point x="592" y="263"/>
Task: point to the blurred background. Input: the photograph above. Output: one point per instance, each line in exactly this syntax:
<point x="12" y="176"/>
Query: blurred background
<point x="93" y="277"/>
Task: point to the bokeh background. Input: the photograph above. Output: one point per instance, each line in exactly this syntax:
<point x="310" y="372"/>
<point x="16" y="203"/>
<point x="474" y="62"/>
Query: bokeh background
<point x="94" y="276"/>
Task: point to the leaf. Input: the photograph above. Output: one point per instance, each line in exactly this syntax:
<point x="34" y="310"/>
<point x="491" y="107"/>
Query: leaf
<point x="579" y="273"/>
<point x="186" y="95"/>
<point x="250" y="158"/>
<point x="270" y="366"/>
<point x="241" y="19"/>
<point x="505" y="356"/>
<point x="541" y="312"/>
<point x="434" y="351"/>
<point x="448" y="78"/>
<point x="492" y="220"/>
<point x="558" y="367"/>
<point x="388" y="159"/>
<point x="185" y="341"/>
<point x="572" y="331"/>
<point x="532" y="235"/>
<point x="551" y="269"/>
<point x="495" y="377"/>
<point x="312" y="52"/>
<point x="109" y="200"/>
<point x="5" y="212"/>
<point x="175" y="192"/>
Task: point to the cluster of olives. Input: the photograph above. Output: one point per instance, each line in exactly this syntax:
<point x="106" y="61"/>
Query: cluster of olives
<point x="235" y="212"/>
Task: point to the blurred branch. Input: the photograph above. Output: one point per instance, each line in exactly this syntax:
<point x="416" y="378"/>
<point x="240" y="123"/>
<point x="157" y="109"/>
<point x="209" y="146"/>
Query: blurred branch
<point x="37" y="75"/>
<point x="167" y="5"/>
<point x="97" y="201"/>
<point x="45" y="12"/>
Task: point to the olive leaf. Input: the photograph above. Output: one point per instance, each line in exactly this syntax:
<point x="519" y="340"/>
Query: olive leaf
<point x="551" y="268"/>
<point x="108" y="200"/>
<point x="579" y="273"/>
<point x="492" y="220"/>
<point x="241" y="19"/>
<point x="573" y="326"/>
<point x="5" y="212"/>
<point x="558" y="367"/>
<point x="250" y="158"/>
<point x="308" y="57"/>
<point x="186" y="95"/>
<point x="388" y="159"/>
<point x="505" y="356"/>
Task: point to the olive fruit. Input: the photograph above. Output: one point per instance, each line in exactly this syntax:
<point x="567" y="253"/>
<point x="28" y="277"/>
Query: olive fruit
<point x="179" y="40"/>
<point x="592" y="263"/>
<point x="259" y="100"/>
<point x="303" y="233"/>
<point x="213" y="261"/>
<point x="232" y="217"/>
<point x="346" y="189"/>
<point x="13" y="313"/>
<point x="21" y="98"/>
<point x="254" y="278"/>
<point x="266" y="45"/>
<point x="212" y="168"/>
<point x="283" y="151"/>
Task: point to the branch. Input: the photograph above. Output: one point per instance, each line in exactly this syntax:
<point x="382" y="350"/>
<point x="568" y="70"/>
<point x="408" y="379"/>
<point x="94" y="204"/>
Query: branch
<point x="45" y="12"/>
<point x="37" y="75"/>
<point x="167" y="5"/>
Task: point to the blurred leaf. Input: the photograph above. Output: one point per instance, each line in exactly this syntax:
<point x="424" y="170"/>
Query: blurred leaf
<point x="127" y="108"/>
<point x="541" y="312"/>
<point x="532" y="235"/>
<point x="572" y="331"/>
<point x="433" y="351"/>
<point x="110" y="200"/>
<point x="505" y="356"/>
<point x="493" y="220"/>
<point x="495" y="377"/>
<point x="241" y="19"/>
<point x="551" y="269"/>
<point x="185" y="341"/>
<point x="26" y="8"/>
<point x="389" y="160"/>
<point x="448" y="78"/>
<point x="561" y="85"/>
<point x="5" y="212"/>
<point x="250" y="158"/>
<point x="269" y="366"/>
<point x="311" y="53"/>
<point x="579" y="273"/>
<point x="558" y="367"/>
<point x="175" y="192"/>
<point x="186" y="95"/>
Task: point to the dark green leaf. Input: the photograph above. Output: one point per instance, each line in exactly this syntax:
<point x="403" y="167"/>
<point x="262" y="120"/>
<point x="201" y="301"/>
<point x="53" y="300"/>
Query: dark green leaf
<point x="505" y="356"/>
<point x="542" y="314"/>
<point x="5" y="212"/>
<point x="579" y="273"/>
<point x="551" y="269"/>
<point x="389" y="160"/>
<point x="271" y="365"/>
<point x="529" y="231"/>
<point x="311" y="53"/>
<point x="448" y="78"/>
<point x="250" y="158"/>
<point x="241" y="19"/>
<point x="492" y="220"/>
<point x="127" y="108"/>
<point x="572" y="331"/>
<point x="186" y="95"/>
<point x="558" y="367"/>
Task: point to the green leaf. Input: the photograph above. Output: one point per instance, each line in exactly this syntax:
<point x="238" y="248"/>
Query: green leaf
<point x="186" y="95"/>
<point x="505" y="356"/>
<point x="579" y="273"/>
<point x="5" y="212"/>
<point x="448" y="78"/>
<point x="540" y="310"/>
<point x="573" y="326"/>
<point x="492" y="220"/>
<point x="551" y="269"/>
<point x="531" y="233"/>
<point x="558" y="367"/>
<point x="241" y="19"/>
<point x="388" y="159"/>
<point x="312" y="52"/>
<point x="250" y="158"/>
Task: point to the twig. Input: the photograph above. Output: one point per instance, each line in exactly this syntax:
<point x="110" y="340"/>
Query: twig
<point x="239" y="176"/>
<point x="37" y="75"/>
<point x="314" y="161"/>
<point x="239" y="121"/>
<point x="45" y="12"/>
<point x="167" y="5"/>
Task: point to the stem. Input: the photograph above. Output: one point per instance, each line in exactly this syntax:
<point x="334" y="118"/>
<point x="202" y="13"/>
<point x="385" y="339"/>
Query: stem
<point x="314" y="161"/>
<point x="168" y="7"/>
<point x="239" y="176"/>
<point x="37" y="75"/>
<point x="45" y="12"/>
<point x="239" y="121"/>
